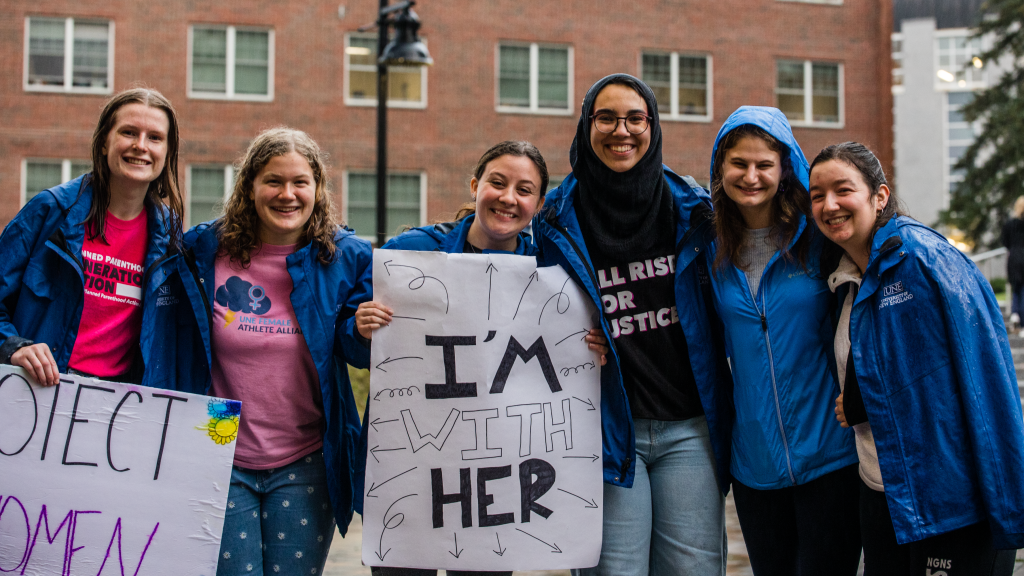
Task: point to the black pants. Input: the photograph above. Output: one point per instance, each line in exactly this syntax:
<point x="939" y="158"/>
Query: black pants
<point x="805" y="530"/>
<point x="964" y="552"/>
<point x="375" y="571"/>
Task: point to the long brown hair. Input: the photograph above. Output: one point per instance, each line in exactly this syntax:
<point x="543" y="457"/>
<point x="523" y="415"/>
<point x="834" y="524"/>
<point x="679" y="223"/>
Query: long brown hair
<point x="789" y="203"/>
<point x="238" y="231"/>
<point x="519" y="148"/>
<point x="164" y="190"/>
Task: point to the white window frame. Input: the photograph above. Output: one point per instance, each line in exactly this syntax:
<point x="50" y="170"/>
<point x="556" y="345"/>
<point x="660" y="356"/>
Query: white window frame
<point x="229" y="78"/>
<point x="350" y="101"/>
<point x="344" y="197"/>
<point x="69" y="59"/>
<point x="534" y="75"/>
<point x="809" y="94"/>
<point x="229" y="184"/>
<point x="948" y="179"/>
<point x="673" y="111"/>
<point x="65" y="173"/>
<point x="953" y="33"/>
<point x="897" y="55"/>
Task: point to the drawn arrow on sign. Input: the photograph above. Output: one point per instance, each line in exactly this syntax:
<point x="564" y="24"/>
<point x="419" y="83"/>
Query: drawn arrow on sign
<point x="500" y="551"/>
<point x="533" y="277"/>
<point x="375" y="449"/>
<point x="584" y="332"/>
<point x="592" y="458"/>
<point x="590" y="503"/>
<point x="457" y="551"/>
<point x="389" y="360"/>
<point x="587" y="402"/>
<point x="557" y="297"/>
<point x="422" y="279"/>
<point x="554" y="547"/>
<point x="374" y="486"/>
<point x="379" y="421"/>
<point x="490" y="270"/>
<point x="388" y="525"/>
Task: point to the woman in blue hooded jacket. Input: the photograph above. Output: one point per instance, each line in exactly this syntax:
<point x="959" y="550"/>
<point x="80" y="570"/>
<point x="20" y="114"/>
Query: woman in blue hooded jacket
<point x="794" y="473"/>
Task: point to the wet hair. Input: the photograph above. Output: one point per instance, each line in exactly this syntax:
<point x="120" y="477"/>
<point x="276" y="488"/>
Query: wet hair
<point x="238" y="233"/>
<point x="519" y="148"/>
<point x="789" y="203"/>
<point x="165" y="190"/>
<point x="857" y="155"/>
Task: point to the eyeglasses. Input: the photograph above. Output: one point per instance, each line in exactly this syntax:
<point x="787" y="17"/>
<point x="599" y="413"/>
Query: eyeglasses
<point x="606" y="122"/>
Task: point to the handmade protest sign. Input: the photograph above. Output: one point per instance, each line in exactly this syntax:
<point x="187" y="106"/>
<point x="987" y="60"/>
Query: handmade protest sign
<point x="485" y="421"/>
<point x="101" y="478"/>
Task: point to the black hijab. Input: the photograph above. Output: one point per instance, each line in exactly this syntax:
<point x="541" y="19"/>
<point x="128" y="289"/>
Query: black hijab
<point x="621" y="213"/>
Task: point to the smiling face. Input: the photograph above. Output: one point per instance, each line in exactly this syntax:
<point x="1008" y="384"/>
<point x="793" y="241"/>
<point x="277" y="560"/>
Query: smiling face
<point x="508" y="195"/>
<point x="136" y="147"/>
<point x="284" y="192"/>
<point x="844" y="207"/>
<point x="751" y="172"/>
<point x="619" y="150"/>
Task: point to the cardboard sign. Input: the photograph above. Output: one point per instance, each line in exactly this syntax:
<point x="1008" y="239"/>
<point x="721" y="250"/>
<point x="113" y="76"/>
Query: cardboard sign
<point x="485" y="420"/>
<point x="100" y="478"/>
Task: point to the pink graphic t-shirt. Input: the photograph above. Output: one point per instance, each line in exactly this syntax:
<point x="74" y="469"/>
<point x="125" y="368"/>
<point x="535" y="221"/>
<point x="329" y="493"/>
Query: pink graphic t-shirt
<point x="260" y="357"/>
<point x="108" y="334"/>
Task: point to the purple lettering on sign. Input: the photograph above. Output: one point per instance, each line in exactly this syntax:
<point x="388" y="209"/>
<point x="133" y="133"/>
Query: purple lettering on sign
<point x="27" y="530"/>
<point x="120" y="557"/>
<point x="45" y="520"/>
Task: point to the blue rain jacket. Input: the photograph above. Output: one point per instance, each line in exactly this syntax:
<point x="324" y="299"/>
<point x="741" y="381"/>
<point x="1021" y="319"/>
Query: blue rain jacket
<point x="42" y="285"/>
<point x="780" y="341"/>
<point x="448" y="237"/>
<point x="176" y="335"/>
<point x="560" y="241"/>
<point x="934" y="367"/>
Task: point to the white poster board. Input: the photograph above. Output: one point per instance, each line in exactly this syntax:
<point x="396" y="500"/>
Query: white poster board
<point x="485" y="421"/>
<point x="101" y="478"/>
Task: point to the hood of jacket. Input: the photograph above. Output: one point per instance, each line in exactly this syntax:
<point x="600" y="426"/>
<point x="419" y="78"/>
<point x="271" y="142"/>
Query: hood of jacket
<point x="772" y="121"/>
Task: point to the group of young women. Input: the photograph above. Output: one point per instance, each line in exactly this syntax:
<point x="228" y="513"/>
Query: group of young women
<point x="803" y="302"/>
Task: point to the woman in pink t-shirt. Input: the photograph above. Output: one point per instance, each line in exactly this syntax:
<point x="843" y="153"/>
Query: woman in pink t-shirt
<point x="74" y="257"/>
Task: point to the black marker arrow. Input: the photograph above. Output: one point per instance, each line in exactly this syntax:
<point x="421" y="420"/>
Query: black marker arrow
<point x="592" y="458"/>
<point x="557" y="297"/>
<point x="590" y="503"/>
<point x="379" y="421"/>
<point x="490" y="270"/>
<point x="374" y="486"/>
<point x="457" y="551"/>
<point x="375" y="449"/>
<point x="584" y="332"/>
<point x="532" y="278"/>
<point x="587" y="402"/>
<point x="389" y="360"/>
<point x="500" y="551"/>
<point x="554" y="547"/>
<point x="422" y="278"/>
<point x="389" y="525"/>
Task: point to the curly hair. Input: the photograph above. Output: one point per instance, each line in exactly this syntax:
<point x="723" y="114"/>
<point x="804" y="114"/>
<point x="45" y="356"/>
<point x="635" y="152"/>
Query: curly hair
<point x="238" y="230"/>
<point x="789" y="203"/>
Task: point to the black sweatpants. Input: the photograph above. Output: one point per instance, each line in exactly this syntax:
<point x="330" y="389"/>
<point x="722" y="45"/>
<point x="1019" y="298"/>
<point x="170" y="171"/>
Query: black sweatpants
<point x="964" y="552"/>
<point x="805" y="530"/>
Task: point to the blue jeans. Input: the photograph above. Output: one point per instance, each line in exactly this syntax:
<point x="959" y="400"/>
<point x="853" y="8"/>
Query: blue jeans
<point x="672" y="521"/>
<point x="278" y="521"/>
<point x="1017" y="301"/>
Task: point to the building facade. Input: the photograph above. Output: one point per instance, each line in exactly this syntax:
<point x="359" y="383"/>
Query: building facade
<point x="503" y="70"/>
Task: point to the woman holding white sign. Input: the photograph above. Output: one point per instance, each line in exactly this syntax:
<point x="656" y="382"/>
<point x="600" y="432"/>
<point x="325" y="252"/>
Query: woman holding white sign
<point x="74" y="258"/>
<point x="267" y="293"/>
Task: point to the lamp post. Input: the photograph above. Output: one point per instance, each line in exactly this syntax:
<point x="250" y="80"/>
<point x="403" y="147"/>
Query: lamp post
<point x="405" y="50"/>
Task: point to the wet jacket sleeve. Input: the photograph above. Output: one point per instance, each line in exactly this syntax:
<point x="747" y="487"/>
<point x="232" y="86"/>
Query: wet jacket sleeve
<point x="16" y="244"/>
<point x="357" y="257"/>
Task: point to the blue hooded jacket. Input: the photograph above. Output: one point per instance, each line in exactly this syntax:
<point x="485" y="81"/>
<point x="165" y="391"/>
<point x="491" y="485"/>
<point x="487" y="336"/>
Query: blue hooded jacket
<point x="780" y="341"/>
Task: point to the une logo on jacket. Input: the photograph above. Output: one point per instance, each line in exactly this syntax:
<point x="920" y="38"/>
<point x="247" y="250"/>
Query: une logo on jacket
<point x="894" y="294"/>
<point x="893" y="289"/>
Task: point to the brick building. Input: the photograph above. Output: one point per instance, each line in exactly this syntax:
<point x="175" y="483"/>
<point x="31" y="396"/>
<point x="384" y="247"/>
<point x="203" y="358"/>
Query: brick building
<point x="502" y="70"/>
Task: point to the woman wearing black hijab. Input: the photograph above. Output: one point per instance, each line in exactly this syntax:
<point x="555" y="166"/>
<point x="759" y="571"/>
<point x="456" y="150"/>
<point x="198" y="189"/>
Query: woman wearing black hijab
<point x="635" y="235"/>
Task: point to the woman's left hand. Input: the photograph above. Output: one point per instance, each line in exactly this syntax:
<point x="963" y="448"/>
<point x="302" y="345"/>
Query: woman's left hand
<point x="371" y="316"/>
<point x="598" y="343"/>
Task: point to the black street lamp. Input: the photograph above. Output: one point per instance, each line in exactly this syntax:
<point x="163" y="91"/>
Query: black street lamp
<point x="405" y="50"/>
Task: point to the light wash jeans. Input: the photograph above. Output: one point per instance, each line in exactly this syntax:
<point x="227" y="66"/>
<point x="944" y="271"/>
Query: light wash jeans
<point x="672" y="521"/>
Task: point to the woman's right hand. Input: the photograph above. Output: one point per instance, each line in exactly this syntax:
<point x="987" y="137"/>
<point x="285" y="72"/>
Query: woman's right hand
<point x="840" y="414"/>
<point x="38" y="362"/>
<point x="371" y="316"/>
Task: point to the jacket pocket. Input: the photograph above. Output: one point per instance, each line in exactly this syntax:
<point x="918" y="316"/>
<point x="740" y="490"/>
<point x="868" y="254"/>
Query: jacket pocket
<point x="37" y="281"/>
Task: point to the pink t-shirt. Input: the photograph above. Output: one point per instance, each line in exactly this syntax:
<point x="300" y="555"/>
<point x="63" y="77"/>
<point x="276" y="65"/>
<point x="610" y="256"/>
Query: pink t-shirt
<point x="108" y="334"/>
<point x="260" y="357"/>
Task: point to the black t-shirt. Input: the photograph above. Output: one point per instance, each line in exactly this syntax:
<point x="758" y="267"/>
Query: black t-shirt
<point x="639" y="302"/>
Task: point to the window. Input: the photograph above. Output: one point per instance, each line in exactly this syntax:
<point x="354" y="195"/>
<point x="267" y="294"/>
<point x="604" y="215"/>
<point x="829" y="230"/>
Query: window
<point x="226" y="62"/>
<point x="407" y="85"/>
<point x="406" y="202"/>
<point x="69" y="55"/>
<point x="39" y="175"/>
<point x="959" y="135"/>
<point x="810" y="93"/>
<point x="208" y="188"/>
<point x="958" y="65"/>
<point x="681" y="83"/>
<point x="897" y="63"/>
<point x="534" y="78"/>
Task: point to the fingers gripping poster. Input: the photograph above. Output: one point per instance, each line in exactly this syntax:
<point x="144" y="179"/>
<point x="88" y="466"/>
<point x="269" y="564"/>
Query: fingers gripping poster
<point x="99" y="478"/>
<point x="485" y="422"/>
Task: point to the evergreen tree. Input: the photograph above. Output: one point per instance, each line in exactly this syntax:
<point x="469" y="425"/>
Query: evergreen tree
<point x="994" y="163"/>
